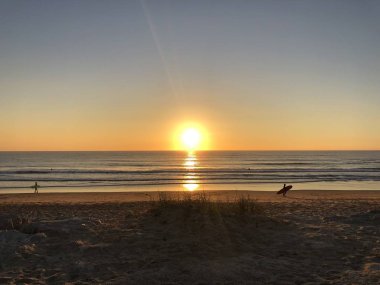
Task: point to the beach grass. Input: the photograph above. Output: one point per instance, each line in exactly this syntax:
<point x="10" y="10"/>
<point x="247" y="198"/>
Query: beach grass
<point x="241" y="206"/>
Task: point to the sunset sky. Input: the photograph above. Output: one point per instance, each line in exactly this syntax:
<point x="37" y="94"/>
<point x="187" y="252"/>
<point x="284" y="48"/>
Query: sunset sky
<point x="128" y="75"/>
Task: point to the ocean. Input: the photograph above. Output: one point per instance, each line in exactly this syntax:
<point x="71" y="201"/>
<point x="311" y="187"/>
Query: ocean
<point x="203" y="170"/>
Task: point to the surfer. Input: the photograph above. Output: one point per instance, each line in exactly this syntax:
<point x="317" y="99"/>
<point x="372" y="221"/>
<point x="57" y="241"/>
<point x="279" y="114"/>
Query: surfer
<point x="284" y="190"/>
<point x="36" y="186"/>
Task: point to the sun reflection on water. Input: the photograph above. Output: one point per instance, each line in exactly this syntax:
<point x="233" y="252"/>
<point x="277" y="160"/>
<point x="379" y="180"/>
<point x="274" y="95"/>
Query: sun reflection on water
<point x="190" y="164"/>
<point x="190" y="161"/>
<point x="190" y="185"/>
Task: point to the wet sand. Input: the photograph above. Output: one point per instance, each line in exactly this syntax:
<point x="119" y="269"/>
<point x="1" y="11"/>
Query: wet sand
<point x="309" y="237"/>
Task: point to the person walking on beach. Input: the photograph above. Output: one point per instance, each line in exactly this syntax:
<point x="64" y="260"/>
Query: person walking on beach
<point x="36" y="186"/>
<point x="284" y="190"/>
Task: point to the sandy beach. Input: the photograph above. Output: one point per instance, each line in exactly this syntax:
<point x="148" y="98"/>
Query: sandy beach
<point x="149" y="142"/>
<point x="309" y="237"/>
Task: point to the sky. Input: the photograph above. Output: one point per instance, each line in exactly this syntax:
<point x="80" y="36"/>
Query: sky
<point x="127" y="75"/>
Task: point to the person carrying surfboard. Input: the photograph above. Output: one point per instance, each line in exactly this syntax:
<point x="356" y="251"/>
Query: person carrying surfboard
<point x="284" y="190"/>
<point x="36" y="186"/>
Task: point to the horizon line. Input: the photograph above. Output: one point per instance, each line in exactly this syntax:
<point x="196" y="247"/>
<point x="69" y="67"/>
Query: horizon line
<point x="201" y="150"/>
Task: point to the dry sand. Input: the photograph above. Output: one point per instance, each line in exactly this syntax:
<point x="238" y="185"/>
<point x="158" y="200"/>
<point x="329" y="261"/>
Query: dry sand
<point x="310" y="237"/>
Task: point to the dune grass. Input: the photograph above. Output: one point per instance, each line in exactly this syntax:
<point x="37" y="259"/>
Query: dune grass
<point x="242" y="206"/>
<point x="205" y="226"/>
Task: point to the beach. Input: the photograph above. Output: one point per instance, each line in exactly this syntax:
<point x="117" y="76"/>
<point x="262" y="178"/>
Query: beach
<point x="189" y="142"/>
<point x="308" y="237"/>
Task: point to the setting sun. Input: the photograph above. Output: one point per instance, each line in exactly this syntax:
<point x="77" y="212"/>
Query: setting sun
<point x="191" y="138"/>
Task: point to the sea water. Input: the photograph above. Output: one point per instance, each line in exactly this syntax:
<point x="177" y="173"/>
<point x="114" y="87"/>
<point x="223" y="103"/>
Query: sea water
<point x="203" y="170"/>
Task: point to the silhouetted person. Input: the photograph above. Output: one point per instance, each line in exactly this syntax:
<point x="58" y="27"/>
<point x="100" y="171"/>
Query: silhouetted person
<point x="36" y="187"/>
<point x="284" y="190"/>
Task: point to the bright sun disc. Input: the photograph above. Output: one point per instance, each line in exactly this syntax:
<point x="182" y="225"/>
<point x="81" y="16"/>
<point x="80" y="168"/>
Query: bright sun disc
<point x="191" y="138"/>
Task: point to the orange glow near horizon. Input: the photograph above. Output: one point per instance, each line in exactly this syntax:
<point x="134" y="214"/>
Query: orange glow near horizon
<point x="98" y="134"/>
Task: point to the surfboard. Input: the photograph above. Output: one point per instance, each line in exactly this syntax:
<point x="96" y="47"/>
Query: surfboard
<point x="285" y="189"/>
